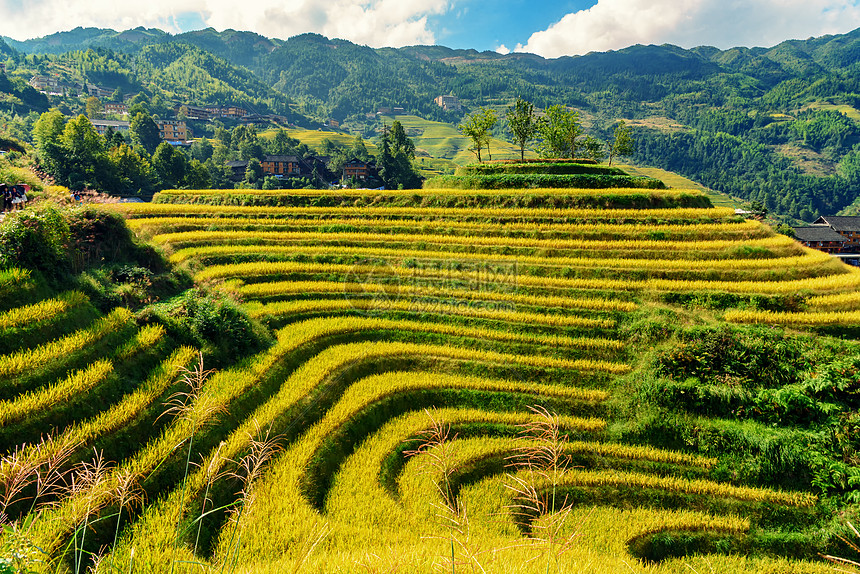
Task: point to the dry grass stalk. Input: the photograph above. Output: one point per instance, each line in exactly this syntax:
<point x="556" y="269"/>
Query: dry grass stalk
<point x="128" y="494"/>
<point x="212" y="474"/>
<point x="86" y="477"/>
<point x="250" y="467"/>
<point x="392" y="566"/>
<point x="36" y="474"/>
<point x="309" y="544"/>
<point x="844" y="561"/>
<point x="194" y="406"/>
<point x="541" y="461"/>
<point x="17" y="473"/>
<point x="438" y="461"/>
<point x="190" y="404"/>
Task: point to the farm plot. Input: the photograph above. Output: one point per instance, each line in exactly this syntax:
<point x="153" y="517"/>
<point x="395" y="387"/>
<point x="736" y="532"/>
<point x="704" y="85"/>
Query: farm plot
<point x="452" y="385"/>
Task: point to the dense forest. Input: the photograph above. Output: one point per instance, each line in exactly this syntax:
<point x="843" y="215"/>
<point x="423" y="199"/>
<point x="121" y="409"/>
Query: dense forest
<point x="776" y="125"/>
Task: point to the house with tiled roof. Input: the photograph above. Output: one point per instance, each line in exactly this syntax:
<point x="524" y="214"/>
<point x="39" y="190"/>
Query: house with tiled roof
<point x="237" y="169"/>
<point x="821" y="237"/>
<point x="358" y="170"/>
<point x="282" y="165"/>
<point x="847" y="226"/>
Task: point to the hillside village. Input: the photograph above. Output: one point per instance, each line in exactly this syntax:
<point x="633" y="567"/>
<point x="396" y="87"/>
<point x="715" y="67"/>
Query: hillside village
<point x="109" y="116"/>
<point x="407" y="319"/>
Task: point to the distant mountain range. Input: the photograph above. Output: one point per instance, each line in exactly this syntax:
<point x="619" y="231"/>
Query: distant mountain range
<point x="784" y="106"/>
<point x="789" y="58"/>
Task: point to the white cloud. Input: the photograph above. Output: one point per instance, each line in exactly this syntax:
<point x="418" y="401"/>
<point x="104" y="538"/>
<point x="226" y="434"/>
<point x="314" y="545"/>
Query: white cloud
<point x="502" y="49"/>
<point x="372" y="22"/>
<point x="614" y="24"/>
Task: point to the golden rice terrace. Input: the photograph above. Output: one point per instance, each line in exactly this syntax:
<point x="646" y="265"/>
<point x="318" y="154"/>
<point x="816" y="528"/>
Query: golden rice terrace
<point x="525" y="380"/>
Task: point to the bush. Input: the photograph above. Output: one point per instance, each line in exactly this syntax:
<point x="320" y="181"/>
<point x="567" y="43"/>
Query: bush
<point x="37" y="238"/>
<point x="212" y="322"/>
<point x="561" y="168"/>
<point x="756" y="357"/>
<point x="98" y="237"/>
<point x="535" y="180"/>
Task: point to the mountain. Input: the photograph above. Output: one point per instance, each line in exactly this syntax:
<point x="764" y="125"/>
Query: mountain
<point x="83" y="38"/>
<point x="776" y="125"/>
<point x="238" y="48"/>
<point x="6" y="50"/>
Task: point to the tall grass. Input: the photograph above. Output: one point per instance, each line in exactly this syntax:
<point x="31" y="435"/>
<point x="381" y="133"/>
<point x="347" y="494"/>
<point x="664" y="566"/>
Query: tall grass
<point x="410" y="193"/>
<point x="807" y="260"/>
<point x="841" y="280"/>
<point x="679" y="230"/>
<point x="20" y="316"/>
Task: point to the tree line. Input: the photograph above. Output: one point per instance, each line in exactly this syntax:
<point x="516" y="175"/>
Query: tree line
<point x="556" y="133"/>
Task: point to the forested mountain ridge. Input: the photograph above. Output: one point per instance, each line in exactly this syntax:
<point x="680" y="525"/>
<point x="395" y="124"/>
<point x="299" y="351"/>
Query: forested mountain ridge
<point x="766" y="124"/>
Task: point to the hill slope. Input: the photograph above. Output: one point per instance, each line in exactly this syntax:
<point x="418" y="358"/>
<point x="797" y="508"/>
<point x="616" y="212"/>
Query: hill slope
<point x="434" y="357"/>
<point x="746" y="121"/>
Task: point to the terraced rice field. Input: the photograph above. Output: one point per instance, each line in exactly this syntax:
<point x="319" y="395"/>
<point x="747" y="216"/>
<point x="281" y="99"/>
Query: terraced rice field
<point x="439" y="397"/>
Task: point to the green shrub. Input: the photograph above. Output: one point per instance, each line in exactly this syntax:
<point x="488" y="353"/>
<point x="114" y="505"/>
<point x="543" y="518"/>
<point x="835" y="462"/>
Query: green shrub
<point x="38" y="239"/>
<point x="541" y="180"/>
<point x="568" y="168"/>
<point x="212" y="322"/>
<point x="756" y="357"/>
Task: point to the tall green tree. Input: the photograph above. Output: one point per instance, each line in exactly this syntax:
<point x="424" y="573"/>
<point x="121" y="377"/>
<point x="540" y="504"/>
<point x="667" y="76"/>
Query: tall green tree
<point x="559" y="132"/>
<point x="359" y="150"/>
<point x="479" y="127"/>
<point x="95" y="111"/>
<point x="622" y="143"/>
<point x="85" y="161"/>
<point x="144" y="132"/>
<point x="593" y="148"/>
<point x="46" y="135"/>
<point x="202" y="149"/>
<point x="282" y="143"/>
<point x="113" y="138"/>
<point x="196" y="176"/>
<point x="396" y="162"/>
<point x="133" y="173"/>
<point x="245" y="140"/>
<point x="170" y="165"/>
<point x="523" y="123"/>
<point x="254" y="173"/>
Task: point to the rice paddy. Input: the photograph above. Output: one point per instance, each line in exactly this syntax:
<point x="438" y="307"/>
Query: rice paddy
<point x="447" y="390"/>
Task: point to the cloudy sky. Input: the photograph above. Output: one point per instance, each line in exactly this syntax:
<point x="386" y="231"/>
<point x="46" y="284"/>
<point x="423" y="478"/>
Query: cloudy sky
<point x="550" y="28"/>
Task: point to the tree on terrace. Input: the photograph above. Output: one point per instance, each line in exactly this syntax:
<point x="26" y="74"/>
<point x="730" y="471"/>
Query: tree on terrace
<point x="559" y="132"/>
<point x="523" y="123"/>
<point x="396" y="168"/>
<point x="94" y="109"/>
<point x="479" y="126"/>
<point x="622" y="143"/>
<point x="144" y="132"/>
<point x="170" y="165"/>
<point x="85" y="162"/>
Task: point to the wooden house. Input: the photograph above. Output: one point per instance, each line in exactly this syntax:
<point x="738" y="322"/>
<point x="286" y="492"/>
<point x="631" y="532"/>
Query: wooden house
<point x="282" y="165"/>
<point x="848" y="226"/>
<point x="360" y="170"/>
<point x="820" y="237"/>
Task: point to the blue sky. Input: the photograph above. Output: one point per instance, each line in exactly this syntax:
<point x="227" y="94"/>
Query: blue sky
<point x="551" y="28"/>
<point x="486" y="25"/>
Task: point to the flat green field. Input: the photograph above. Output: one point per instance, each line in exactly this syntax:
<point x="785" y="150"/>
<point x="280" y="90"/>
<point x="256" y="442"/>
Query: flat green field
<point x="314" y="138"/>
<point x="845" y="109"/>
<point x="675" y="180"/>
<point x="444" y="141"/>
